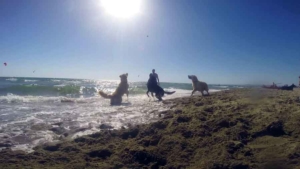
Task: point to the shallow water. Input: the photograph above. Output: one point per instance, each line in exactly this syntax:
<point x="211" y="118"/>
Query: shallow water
<point x="35" y="111"/>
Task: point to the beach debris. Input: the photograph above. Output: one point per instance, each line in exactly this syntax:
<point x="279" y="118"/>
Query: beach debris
<point x="104" y="153"/>
<point x="40" y="126"/>
<point x="146" y="157"/>
<point x="5" y="144"/>
<point x="160" y="125"/>
<point x="67" y="100"/>
<point x="199" y="104"/>
<point x="209" y="109"/>
<point x="234" y="146"/>
<point x="81" y="129"/>
<point x="58" y="130"/>
<point x="275" y="129"/>
<point x="105" y="127"/>
<point x="182" y="119"/>
<point x="52" y="147"/>
<point x="5" y="64"/>
<point x="58" y="123"/>
<point x="131" y="133"/>
<point x="178" y="111"/>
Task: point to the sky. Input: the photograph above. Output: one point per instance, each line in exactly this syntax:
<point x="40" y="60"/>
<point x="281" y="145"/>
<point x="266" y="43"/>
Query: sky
<point x="220" y="41"/>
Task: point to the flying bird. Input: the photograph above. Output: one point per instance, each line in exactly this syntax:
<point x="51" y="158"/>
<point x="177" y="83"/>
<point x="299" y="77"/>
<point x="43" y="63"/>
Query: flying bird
<point x="5" y="64"/>
<point x="33" y="71"/>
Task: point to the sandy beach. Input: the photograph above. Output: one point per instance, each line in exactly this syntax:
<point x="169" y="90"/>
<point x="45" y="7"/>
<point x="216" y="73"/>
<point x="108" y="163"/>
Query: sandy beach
<point x="240" y="128"/>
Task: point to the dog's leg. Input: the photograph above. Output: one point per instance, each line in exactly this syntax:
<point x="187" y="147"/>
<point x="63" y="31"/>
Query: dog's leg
<point x="207" y="92"/>
<point x="153" y="97"/>
<point x="127" y="93"/>
<point x="193" y="92"/>
<point x="202" y="93"/>
<point x="148" y="95"/>
<point x="112" y="101"/>
<point x="158" y="97"/>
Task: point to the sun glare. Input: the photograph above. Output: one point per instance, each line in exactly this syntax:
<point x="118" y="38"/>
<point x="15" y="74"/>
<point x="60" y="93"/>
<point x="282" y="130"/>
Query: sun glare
<point x="122" y="8"/>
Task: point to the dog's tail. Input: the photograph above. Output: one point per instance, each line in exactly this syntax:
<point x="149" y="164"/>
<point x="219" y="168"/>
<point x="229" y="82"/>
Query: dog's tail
<point x="169" y="92"/>
<point x="107" y="96"/>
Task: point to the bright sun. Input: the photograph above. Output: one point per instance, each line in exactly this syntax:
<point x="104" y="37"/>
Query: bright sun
<point x="122" y="8"/>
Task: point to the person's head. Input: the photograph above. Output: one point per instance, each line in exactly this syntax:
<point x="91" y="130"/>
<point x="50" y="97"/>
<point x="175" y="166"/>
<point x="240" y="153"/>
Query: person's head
<point x="153" y="70"/>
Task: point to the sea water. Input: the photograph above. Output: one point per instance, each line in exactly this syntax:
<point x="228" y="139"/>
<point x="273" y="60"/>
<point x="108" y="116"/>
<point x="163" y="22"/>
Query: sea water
<point x="39" y="110"/>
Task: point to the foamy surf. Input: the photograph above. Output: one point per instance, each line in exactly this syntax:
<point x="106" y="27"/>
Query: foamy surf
<point x="36" y="120"/>
<point x="26" y="80"/>
<point x="11" y="79"/>
<point x="36" y="111"/>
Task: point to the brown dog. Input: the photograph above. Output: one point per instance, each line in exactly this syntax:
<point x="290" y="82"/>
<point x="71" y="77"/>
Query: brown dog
<point x="198" y="85"/>
<point x="116" y="97"/>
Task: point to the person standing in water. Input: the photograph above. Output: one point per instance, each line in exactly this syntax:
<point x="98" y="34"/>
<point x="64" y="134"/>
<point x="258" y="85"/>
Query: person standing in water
<point x="155" y="75"/>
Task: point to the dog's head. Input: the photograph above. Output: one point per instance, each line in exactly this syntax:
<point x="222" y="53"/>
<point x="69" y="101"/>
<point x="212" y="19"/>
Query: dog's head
<point x="293" y="85"/>
<point x="124" y="77"/>
<point x="193" y="78"/>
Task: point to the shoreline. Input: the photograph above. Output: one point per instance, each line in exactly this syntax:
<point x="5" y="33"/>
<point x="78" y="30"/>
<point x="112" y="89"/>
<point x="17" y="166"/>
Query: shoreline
<point x="71" y="118"/>
<point x="237" y="128"/>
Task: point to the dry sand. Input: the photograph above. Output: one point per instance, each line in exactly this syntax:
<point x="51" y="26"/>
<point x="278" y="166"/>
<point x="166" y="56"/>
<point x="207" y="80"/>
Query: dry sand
<point x="239" y="129"/>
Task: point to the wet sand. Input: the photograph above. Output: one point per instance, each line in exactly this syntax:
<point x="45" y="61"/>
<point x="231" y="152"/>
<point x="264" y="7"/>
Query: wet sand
<point x="240" y="129"/>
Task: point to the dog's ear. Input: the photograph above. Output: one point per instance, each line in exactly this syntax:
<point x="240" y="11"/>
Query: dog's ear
<point x="193" y="77"/>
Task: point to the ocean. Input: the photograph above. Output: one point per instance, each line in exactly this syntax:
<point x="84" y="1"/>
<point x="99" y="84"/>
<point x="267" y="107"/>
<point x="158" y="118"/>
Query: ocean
<point x="35" y="111"/>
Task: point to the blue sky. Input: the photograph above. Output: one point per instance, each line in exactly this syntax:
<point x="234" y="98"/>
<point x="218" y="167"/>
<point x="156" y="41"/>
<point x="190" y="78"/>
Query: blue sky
<point x="220" y="41"/>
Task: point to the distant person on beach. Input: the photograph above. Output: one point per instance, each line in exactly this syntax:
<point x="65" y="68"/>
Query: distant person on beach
<point x="153" y="87"/>
<point x="155" y="75"/>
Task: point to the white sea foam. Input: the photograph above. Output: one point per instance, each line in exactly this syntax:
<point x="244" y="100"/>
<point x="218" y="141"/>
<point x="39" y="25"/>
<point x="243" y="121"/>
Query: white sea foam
<point x="10" y="98"/>
<point x="223" y="87"/>
<point x="12" y="79"/>
<point x="60" y="85"/>
<point x="78" y="116"/>
<point x="55" y="80"/>
<point x="26" y="80"/>
<point x="184" y="93"/>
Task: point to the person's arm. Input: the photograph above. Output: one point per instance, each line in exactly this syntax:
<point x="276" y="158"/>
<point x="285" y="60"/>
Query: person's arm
<point x="157" y="79"/>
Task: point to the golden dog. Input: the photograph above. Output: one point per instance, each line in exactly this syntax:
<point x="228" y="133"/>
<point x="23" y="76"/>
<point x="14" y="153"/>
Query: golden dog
<point x="116" y="97"/>
<point x="198" y="85"/>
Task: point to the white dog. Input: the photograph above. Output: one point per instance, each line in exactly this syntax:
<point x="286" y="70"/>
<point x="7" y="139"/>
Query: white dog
<point x="198" y="85"/>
